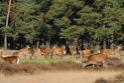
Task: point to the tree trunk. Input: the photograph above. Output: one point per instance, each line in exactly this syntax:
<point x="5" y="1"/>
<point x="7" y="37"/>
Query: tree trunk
<point x="5" y="42"/>
<point x="112" y="45"/>
<point x="7" y="19"/>
<point x="104" y="43"/>
<point x="37" y="44"/>
<point x="48" y="43"/>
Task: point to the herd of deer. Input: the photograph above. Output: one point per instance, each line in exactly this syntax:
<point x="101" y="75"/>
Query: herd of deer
<point x="89" y="58"/>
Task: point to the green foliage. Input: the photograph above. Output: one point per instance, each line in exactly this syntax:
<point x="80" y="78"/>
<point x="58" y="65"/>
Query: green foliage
<point x="68" y="19"/>
<point x="87" y="16"/>
<point x="6" y="30"/>
<point x="62" y="22"/>
<point x="57" y="9"/>
<point x="2" y="18"/>
<point x="27" y="22"/>
<point x="72" y="33"/>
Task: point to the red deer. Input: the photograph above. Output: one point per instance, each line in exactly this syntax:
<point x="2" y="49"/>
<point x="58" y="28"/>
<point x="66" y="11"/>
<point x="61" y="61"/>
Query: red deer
<point x="27" y="51"/>
<point x="73" y="51"/>
<point x="46" y="52"/>
<point x="85" y="53"/>
<point x="16" y="53"/>
<point x="57" y="51"/>
<point x="95" y="59"/>
<point x="114" y="52"/>
<point x="32" y="53"/>
<point x="10" y="59"/>
<point x="110" y="51"/>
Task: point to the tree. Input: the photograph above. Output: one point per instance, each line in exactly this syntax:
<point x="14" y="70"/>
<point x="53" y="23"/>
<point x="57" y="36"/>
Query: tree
<point x="89" y="21"/>
<point x="7" y="19"/>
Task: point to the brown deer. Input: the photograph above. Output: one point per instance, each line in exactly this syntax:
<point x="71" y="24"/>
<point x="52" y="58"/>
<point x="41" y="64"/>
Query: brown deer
<point x="10" y="59"/>
<point x="85" y="53"/>
<point x="73" y="51"/>
<point x="95" y="59"/>
<point x="57" y="51"/>
<point x="46" y="52"/>
<point x="26" y="51"/>
<point x="114" y="52"/>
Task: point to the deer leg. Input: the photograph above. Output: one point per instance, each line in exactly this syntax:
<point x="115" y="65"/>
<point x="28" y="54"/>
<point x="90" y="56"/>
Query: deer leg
<point x="88" y="63"/>
<point x="104" y="64"/>
<point x="17" y="60"/>
<point x="59" y="55"/>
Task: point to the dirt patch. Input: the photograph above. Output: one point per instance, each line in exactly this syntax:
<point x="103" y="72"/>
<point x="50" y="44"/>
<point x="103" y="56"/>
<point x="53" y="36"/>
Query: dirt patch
<point x="32" y="68"/>
<point x="66" y="65"/>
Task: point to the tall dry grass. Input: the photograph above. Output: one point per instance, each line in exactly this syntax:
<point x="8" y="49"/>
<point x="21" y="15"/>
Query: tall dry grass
<point x="82" y="76"/>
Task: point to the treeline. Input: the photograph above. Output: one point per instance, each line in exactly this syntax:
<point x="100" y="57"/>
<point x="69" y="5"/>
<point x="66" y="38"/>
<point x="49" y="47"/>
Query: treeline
<point x="84" y="22"/>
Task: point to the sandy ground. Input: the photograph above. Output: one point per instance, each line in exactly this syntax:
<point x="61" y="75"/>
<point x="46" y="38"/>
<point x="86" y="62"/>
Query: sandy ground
<point x="60" y="77"/>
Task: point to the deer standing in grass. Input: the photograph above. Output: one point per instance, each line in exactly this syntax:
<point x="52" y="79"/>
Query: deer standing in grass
<point x="73" y="51"/>
<point x="95" y="59"/>
<point x="27" y="51"/>
<point x="46" y="52"/>
<point x="85" y="53"/>
<point x="114" y="52"/>
<point x="57" y="51"/>
<point x="10" y="59"/>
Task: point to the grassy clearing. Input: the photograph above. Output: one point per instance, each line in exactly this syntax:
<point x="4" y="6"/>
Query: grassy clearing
<point x="45" y="61"/>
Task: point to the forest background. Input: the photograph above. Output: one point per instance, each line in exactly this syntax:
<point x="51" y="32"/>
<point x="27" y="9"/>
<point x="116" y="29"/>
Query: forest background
<point x="87" y="23"/>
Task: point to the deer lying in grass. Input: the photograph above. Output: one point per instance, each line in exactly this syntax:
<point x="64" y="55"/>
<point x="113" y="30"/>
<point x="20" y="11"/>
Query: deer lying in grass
<point x="10" y="59"/>
<point x="95" y="59"/>
<point x="26" y="51"/>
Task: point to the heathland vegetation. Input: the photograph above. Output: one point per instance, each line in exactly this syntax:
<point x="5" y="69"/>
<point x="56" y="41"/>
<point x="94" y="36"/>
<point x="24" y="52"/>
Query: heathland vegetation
<point x="61" y="71"/>
<point x="82" y="24"/>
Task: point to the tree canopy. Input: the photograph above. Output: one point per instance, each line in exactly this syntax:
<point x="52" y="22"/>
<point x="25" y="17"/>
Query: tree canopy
<point x="91" y="21"/>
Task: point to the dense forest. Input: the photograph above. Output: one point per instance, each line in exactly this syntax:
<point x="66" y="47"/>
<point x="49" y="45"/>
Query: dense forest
<point x="84" y="22"/>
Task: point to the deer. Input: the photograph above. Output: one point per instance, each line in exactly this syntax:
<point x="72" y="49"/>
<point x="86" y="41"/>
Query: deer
<point x="85" y="53"/>
<point x="46" y="52"/>
<point x="73" y="51"/>
<point x="114" y="52"/>
<point x="57" y="51"/>
<point x="95" y="59"/>
<point x="27" y="51"/>
<point x="10" y="59"/>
